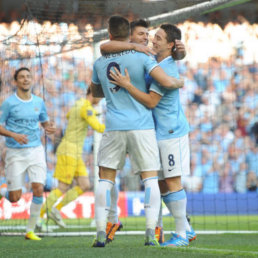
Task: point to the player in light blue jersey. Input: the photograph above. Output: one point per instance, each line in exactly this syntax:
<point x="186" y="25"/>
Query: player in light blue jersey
<point x="172" y="133"/>
<point x="138" y="41"/>
<point x="129" y="129"/>
<point x="19" y="123"/>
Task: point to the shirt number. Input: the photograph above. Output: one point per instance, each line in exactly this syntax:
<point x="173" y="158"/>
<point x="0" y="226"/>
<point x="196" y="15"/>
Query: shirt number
<point x="116" y="65"/>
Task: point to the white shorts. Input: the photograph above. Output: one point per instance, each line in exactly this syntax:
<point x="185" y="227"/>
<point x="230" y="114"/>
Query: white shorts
<point x="141" y="146"/>
<point x="175" y="157"/>
<point x="18" y="161"/>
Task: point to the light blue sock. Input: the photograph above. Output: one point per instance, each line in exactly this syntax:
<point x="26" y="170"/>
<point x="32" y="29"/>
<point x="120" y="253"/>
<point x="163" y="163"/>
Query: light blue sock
<point x="176" y="204"/>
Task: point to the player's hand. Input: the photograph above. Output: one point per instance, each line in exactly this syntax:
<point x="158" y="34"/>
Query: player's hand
<point x="180" y="51"/>
<point x="179" y="46"/>
<point x="20" y="138"/>
<point x="181" y="82"/>
<point x="119" y="79"/>
<point x="144" y="49"/>
<point x="50" y="128"/>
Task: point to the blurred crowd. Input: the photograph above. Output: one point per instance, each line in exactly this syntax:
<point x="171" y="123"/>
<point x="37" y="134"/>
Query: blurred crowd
<point x="220" y="99"/>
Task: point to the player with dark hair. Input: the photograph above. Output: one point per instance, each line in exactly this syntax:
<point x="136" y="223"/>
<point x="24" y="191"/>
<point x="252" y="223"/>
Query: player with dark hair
<point x="129" y="129"/>
<point x="19" y="123"/>
<point x="172" y="132"/>
<point x="139" y="38"/>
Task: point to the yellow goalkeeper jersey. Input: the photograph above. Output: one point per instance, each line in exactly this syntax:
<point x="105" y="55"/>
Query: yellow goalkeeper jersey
<point x="80" y="116"/>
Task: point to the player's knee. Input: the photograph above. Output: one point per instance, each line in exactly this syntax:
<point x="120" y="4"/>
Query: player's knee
<point x="37" y="189"/>
<point x="85" y="187"/>
<point x="14" y="196"/>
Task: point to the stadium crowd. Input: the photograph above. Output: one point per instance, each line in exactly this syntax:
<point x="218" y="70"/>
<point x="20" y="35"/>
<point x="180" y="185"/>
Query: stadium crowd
<point x="220" y="99"/>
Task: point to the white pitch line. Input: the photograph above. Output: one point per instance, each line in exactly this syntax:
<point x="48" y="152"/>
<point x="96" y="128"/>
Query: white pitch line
<point x="92" y="233"/>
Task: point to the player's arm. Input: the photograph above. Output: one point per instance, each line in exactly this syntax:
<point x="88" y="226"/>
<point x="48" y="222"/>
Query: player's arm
<point x="49" y="127"/>
<point x="96" y="90"/>
<point x="89" y="114"/>
<point x="149" y="100"/>
<point x="165" y="80"/>
<point x="20" y="138"/>
<point x="180" y="51"/>
<point x="114" y="46"/>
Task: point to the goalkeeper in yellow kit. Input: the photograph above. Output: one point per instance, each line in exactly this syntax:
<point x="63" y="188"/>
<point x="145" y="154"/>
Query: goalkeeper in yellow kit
<point x="70" y="166"/>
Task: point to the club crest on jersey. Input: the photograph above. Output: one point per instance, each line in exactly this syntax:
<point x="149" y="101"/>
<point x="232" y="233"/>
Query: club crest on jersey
<point x="36" y="109"/>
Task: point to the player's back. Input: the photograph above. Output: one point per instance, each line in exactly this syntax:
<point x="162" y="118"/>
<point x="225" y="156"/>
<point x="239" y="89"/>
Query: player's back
<point x="123" y="111"/>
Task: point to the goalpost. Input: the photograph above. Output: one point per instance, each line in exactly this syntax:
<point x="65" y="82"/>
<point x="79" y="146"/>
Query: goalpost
<point x="63" y="47"/>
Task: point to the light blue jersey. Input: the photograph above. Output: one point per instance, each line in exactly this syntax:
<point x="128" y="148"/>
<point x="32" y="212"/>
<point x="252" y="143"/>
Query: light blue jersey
<point x="123" y="111"/>
<point x="169" y="117"/>
<point x="23" y="117"/>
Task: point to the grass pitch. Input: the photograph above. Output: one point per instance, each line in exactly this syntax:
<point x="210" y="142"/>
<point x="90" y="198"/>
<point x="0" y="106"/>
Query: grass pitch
<point x="229" y="245"/>
<point x="206" y="245"/>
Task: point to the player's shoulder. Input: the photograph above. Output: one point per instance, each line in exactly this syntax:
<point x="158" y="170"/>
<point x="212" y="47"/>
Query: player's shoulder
<point x="10" y="99"/>
<point x="143" y="55"/>
<point x="168" y="59"/>
<point x="37" y="98"/>
<point x="99" y="60"/>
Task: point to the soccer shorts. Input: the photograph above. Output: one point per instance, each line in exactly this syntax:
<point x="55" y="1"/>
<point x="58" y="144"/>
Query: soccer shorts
<point x="141" y="146"/>
<point x="68" y="167"/>
<point x="175" y="157"/>
<point x="18" y="161"/>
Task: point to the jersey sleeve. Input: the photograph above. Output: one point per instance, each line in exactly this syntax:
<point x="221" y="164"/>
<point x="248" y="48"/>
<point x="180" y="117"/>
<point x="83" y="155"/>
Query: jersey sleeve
<point x="156" y="87"/>
<point x="89" y="114"/>
<point x="43" y="117"/>
<point x="170" y="69"/>
<point x="4" y="112"/>
<point x="150" y="63"/>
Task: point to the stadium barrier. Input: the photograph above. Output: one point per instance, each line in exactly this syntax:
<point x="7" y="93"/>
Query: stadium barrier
<point x="132" y="204"/>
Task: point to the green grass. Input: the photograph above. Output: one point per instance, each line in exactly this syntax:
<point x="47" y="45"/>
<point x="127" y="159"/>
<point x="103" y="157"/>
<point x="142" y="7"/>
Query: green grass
<point x="230" y="245"/>
<point x="206" y="245"/>
<point x="211" y="222"/>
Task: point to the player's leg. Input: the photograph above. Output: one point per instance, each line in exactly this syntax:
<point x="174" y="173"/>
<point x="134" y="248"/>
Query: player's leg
<point x="15" y="169"/>
<point x="69" y="196"/>
<point x="111" y="157"/>
<point x="159" y="232"/>
<point x="151" y="205"/>
<point x="53" y="212"/>
<point x="102" y="204"/>
<point x="37" y="176"/>
<point x="175" y="200"/>
<point x="36" y="203"/>
<point x="144" y="156"/>
<point x="113" y="223"/>
<point x="64" y="173"/>
<point x="175" y="161"/>
<point x="113" y="216"/>
<point x="80" y="175"/>
<point x="82" y="185"/>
